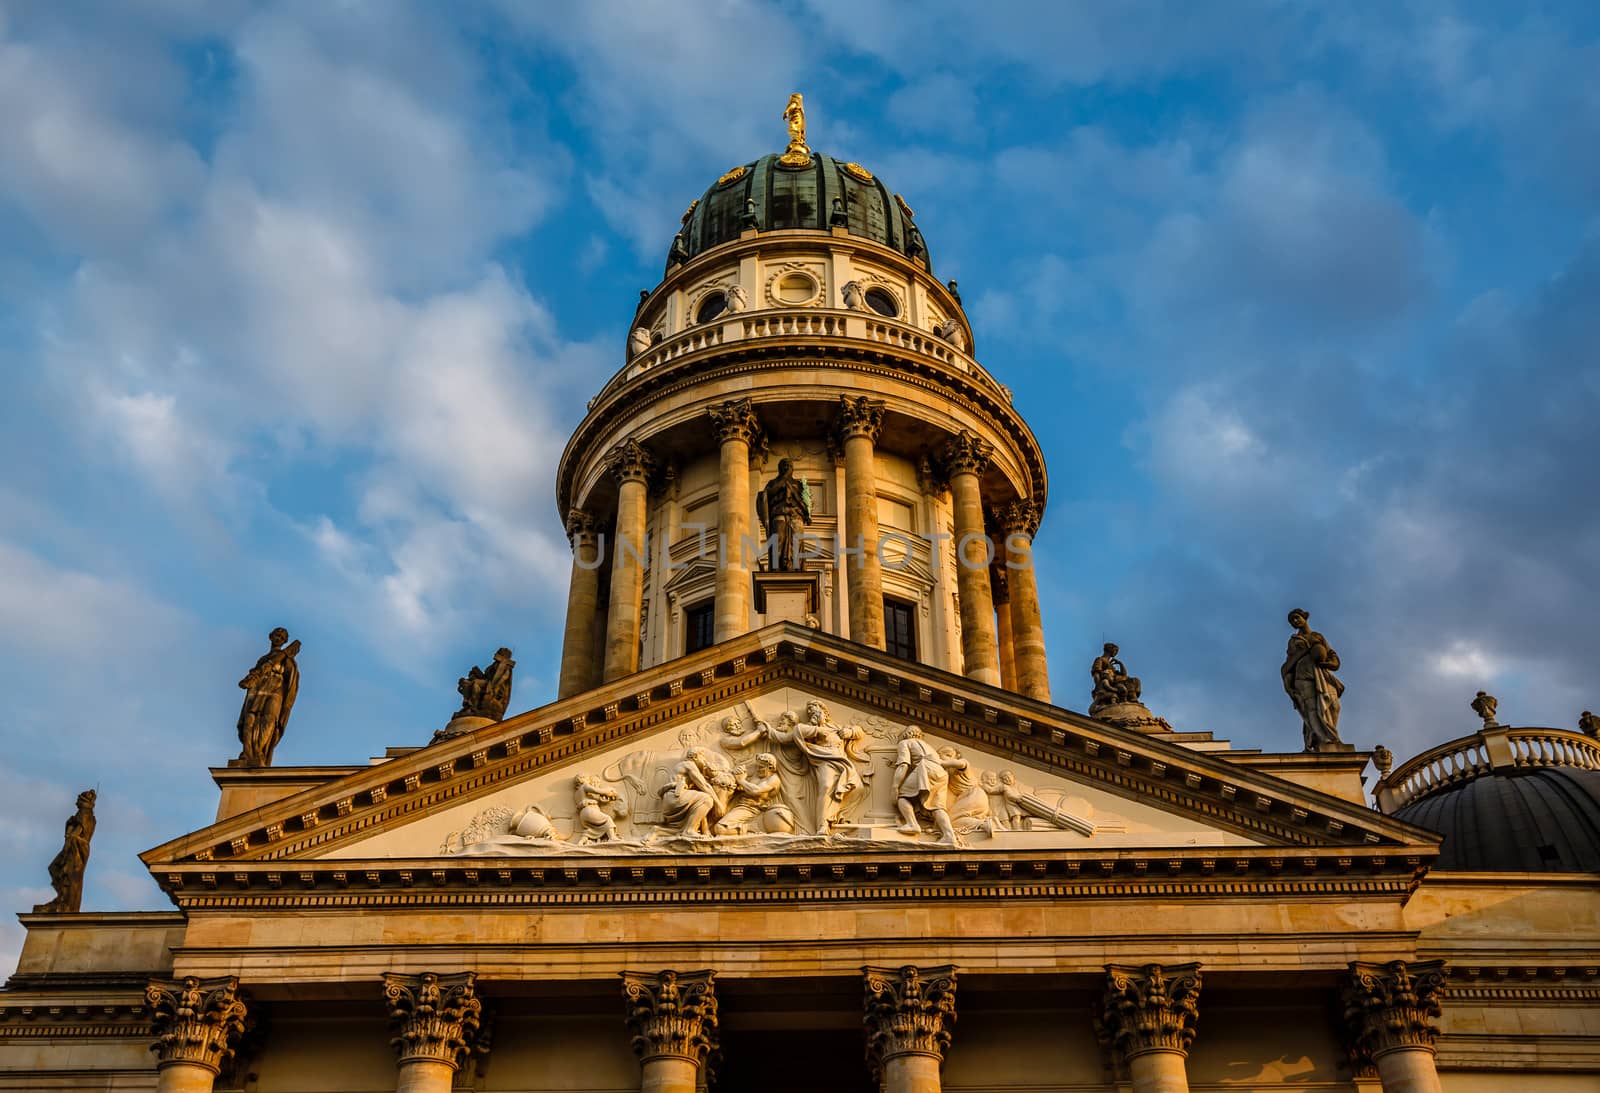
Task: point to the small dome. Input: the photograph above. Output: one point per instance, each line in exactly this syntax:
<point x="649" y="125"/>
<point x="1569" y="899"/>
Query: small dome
<point x="1539" y="820"/>
<point x="771" y="196"/>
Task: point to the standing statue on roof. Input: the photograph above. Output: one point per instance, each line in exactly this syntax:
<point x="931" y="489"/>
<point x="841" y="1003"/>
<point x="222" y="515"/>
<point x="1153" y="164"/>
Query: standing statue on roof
<point x="67" y="867"/>
<point x="269" y="693"/>
<point x="1308" y="679"/>
<point x="794" y="115"/>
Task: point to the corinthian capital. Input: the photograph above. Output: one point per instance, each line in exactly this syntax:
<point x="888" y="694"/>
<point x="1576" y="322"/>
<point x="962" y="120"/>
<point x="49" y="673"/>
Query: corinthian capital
<point x="908" y="1011"/>
<point x="672" y="1013"/>
<point x="581" y="527"/>
<point x="1020" y="517"/>
<point x="434" y="1017"/>
<point x="1149" y="1008"/>
<point x="630" y="461"/>
<point x="966" y="454"/>
<point x="735" y="420"/>
<point x="1388" y="1006"/>
<point x="196" y="1021"/>
<point x="860" y="416"/>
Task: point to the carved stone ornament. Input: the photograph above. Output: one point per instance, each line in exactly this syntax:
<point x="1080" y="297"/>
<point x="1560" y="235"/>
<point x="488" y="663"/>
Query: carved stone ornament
<point x="68" y="866"/>
<point x="1148" y="1008"/>
<point x="433" y="1017"/>
<point x="581" y="527"/>
<point x="671" y="1014"/>
<point x="860" y="416"/>
<point x="1589" y="724"/>
<point x="966" y="454"/>
<point x="908" y="1011"/>
<point x="195" y="1021"/>
<point x="1020" y="517"/>
<point x="631" y="461"/>
<point x="777" y="780"/>
<point x="1486" y="706"/>
<point x="1387" y="1006"/>
<point x="1383" y="759"/>
<point x="735" y="420"/>
<point x="638" y="341"/>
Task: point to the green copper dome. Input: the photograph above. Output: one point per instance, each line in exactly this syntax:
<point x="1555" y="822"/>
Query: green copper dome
<point x="769" y="195"/>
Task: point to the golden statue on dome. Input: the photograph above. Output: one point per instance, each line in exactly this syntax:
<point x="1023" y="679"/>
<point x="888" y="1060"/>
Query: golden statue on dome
<point x="797" y="154"/>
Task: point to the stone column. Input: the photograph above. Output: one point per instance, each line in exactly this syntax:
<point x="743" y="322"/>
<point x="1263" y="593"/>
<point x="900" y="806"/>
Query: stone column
<point x="672" y="1017"/>
<point x="965" y="458"/>
<point x="860" y="423"/>
<point x="1018" y="522"/>
<point x="1000" y="591"/>
<point x="197" y="1025"/>
<point x="630" y="463"/>
<point x="583" y="600"/>
<point x="435" y="1020"/>
<point x="735" y="424"/>
<point x="1147" y="1018"/>
<point x="1387" y="1009"/>
<point x="908" y="1013"/>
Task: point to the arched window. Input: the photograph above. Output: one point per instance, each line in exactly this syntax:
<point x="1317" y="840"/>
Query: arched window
<point x="882" y="302"/>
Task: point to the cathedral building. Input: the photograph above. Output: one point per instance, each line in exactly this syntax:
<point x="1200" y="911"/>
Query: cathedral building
<point x="805" y="814"/>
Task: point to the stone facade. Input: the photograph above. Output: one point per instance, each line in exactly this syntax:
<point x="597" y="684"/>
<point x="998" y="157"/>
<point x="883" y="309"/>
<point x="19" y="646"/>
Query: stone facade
<point x="768" y="863"/>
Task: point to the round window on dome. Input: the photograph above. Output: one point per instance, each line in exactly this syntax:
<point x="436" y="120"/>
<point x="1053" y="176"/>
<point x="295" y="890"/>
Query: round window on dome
<point x="713" y="305"/>
<point x="882" y="302"/>
<point x="795" y="288"/>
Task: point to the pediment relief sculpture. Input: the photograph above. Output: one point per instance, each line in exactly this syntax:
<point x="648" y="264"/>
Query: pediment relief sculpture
<point x="794" y="776"/>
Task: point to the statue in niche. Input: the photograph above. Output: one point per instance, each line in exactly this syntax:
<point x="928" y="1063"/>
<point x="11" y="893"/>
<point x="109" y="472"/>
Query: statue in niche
<point x="854" y="298"/>
<point x="1112" y="683"/>
<point x="755" y="807"/>
<point x="1589" y="724"/>
<point x="594" y="818"/>
<point x="487" y="693"/>
<point x="269" y="693"/>
<point x="921" y="783"/>
<point x="1486" y="706"/>
<point x="67" y="867"/>
<point x="784" y="508"/>
<point x="738" y="299"/>
<point x="638" y="341"/>
<point x="696" y="796"/>
<point x="748" y="221"/>
<point x="821" y="752"/>
<point x="1308" y="679"/>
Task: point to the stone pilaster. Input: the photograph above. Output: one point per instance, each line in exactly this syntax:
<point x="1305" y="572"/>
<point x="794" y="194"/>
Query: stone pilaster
<point x="1146" y="1020"/>
<point x="1018" y="522"/>
<point x="908" y="1012"/>
<point x="197" y="1024"/>
<point x="1388" y="1010"/>
<point x="965" y="458"/>
<point x="630" y="463"/>
<point x="736" y="427"/>
<point x="672" y="1018"/>
<point x="860" y="424"/>
<point x="435" y="1020"/>
<point x="583" y="601"/>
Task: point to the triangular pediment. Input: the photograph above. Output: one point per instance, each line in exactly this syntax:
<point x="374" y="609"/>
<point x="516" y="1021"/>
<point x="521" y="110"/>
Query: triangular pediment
<point x="1022" y="780"/>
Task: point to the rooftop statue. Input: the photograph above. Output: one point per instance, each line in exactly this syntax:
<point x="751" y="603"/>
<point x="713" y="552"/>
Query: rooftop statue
<point x="66" y="868"/>
<point x="269" y="693"/>
<point x="1308" y="679"/>
<point x="487" y="693"/>
<point x="784" y="507"/>
<point x="1112" y="683"/>
<point x="794" y="115"/>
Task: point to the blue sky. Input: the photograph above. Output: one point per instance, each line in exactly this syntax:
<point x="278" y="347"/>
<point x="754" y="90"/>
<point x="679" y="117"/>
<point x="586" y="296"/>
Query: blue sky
<point x="298" y="303"/>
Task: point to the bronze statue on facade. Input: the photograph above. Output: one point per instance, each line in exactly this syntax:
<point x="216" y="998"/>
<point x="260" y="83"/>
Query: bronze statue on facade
<point x="1308" y="679"/>
<point x="1112" y="683"/>
<point x="487" y="693"/>
<point x="66" y="868"/>
<point x="784" y="507"/>
<point x="269" y="693"/>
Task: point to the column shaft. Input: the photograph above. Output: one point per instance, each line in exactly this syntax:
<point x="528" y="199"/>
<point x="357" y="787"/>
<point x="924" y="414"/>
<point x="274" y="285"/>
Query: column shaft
<point x="860" y="422"/>
<point x="185" y="1078"/>
<point x="979" y="649"/>
<point x="1408" y="1070"/>
<point x="1000" y="590"/>
<point x="735" y="425"/>
<point x="1158" y="1072"/>
<point x="911" y="1074"/>
<point x="1027" y="625"/>
<point x="583" y="602"/>
<point x="668" y="1074"/>
<point x="630" y="465"/>
<point x="425" y="1076"/>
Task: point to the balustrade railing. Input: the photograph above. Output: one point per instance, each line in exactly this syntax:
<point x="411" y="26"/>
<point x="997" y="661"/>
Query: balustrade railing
<point x="1496" y="748"/>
